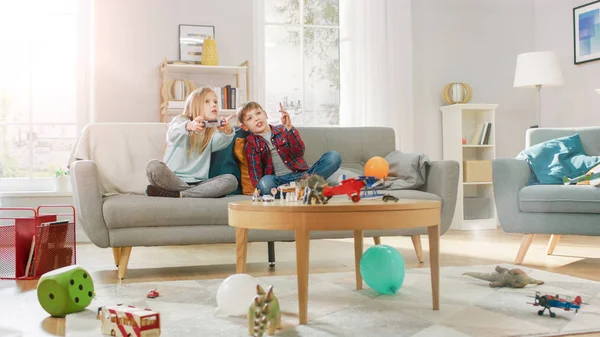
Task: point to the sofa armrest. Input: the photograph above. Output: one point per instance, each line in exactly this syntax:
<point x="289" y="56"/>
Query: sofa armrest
<point x="508" y="176"/>
<point x="87" y="197"/>
<point x="442" y="180"/>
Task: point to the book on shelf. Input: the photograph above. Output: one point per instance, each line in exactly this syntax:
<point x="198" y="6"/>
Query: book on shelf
<point x="481" y="136"/>
<point x="229" y="98"/>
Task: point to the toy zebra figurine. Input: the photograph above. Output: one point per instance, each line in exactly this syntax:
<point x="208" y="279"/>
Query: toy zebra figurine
<point x="263" y="311"/>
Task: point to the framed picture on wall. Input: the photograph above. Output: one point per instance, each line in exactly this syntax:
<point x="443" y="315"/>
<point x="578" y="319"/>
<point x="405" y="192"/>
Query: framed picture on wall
<point x="191" y="39"/>
<point x="586" y="32"/>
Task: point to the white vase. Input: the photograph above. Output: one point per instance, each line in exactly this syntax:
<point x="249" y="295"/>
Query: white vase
<point x="61" y="184"/>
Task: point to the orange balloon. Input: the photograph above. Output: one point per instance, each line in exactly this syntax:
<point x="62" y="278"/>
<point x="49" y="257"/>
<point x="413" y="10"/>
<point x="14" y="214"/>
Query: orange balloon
<point x="377" y="167"/>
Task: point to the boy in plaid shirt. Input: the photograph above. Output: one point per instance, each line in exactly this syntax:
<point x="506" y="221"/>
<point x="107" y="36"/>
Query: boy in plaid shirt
<point x="275" y="153"/>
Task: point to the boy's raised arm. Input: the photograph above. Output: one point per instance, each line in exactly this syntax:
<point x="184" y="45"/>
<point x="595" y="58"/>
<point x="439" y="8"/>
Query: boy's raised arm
<point x="255" y="170"/>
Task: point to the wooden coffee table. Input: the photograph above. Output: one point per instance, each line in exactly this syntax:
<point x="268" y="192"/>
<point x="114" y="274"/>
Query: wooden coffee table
<point x="338" y="214"/>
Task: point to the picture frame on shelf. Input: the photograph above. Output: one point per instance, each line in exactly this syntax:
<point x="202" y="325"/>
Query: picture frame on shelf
<point x="586" y="32"/>
<point x="191" y="40"/>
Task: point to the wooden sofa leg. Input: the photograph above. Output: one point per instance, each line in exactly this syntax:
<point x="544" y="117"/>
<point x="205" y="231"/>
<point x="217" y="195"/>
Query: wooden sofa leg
<point x="377" y="240"/>
<point x="123" y="261"/>
<point x="416" y="240"/>
<point x="552" y="244"/>
<point x="525" y="243"/>
<point x="117" y="255"/>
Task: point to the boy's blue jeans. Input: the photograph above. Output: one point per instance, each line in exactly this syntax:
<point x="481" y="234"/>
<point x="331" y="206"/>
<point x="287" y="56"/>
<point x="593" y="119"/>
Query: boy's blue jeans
<point x="325" y="167"/>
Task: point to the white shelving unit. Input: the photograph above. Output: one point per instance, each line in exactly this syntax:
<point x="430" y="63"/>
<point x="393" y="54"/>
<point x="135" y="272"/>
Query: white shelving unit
<point x="201" y="75"/>
<point x="465" y="120"/>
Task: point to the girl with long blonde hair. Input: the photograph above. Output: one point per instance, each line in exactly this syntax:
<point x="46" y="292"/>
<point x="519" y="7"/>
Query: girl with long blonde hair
<point x="183" y="172"/>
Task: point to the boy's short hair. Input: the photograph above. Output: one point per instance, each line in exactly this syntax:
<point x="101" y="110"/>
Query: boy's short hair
<point x="243" y="110"/>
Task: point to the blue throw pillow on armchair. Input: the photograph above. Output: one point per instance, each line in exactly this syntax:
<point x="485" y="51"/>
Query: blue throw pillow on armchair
<point x="554" y="159"/>
<point x="224" y="162"/>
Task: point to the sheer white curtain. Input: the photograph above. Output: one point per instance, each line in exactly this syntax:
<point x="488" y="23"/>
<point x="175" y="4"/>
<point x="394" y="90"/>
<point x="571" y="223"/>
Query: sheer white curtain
<point x="376" y="78"/>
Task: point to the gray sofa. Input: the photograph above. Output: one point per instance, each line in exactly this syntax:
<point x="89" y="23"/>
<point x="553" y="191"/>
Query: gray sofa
<point x="108" y="181"/>
<point x="546" y="209"/>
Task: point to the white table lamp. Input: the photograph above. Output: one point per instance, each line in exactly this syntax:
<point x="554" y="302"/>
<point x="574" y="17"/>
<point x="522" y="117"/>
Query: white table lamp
<point x="535" y="70"/>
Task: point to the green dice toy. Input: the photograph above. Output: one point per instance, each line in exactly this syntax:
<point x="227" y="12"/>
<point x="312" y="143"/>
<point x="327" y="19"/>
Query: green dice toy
<point x="65" y="290"/>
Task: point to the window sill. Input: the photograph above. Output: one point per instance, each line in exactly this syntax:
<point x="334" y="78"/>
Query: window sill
<point x="34" y="194"/>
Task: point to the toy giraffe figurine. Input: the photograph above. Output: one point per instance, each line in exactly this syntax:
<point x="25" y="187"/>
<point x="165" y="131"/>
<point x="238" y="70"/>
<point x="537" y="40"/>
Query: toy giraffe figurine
<point x="263" y="311"/>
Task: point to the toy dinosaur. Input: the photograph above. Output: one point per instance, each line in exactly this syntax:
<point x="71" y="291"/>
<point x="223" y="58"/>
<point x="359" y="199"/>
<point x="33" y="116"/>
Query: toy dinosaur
<point x="515" y="278"/>
<point x="314" y="189"/>
<point x="263" y="311"/>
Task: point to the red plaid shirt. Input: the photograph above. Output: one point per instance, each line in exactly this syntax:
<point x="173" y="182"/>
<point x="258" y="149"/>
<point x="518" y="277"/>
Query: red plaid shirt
<point x="289" y="144"/>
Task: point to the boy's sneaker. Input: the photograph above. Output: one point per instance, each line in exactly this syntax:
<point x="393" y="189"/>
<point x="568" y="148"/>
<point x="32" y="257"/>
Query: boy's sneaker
<point x="155" y="191"/>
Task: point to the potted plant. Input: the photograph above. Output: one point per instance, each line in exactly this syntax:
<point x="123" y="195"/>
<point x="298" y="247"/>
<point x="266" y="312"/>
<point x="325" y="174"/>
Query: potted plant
<point x="61" y="181"/>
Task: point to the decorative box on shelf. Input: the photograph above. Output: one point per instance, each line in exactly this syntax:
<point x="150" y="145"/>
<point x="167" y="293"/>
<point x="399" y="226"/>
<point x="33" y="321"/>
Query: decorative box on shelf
<point x="477" y="171"/>
<point x="37" y="243"/>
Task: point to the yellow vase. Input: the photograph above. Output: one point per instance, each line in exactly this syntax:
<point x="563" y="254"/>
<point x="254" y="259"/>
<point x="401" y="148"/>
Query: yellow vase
<point x="210" y="56"/>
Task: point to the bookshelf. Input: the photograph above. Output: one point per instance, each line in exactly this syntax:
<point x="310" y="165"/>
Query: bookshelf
<point x="475" y="205"/>
<point x="237" y="77"/>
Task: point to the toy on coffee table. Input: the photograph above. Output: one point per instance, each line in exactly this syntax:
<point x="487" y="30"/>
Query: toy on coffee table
<point x="315" y="185"/>
<point x="264" y="313"/>
<point x="351" y="187"/>
<point x="503" y="277"/>
<point x="549" y="301"/>
<point x="126" y="321"/>
<point x="65" y="290"/>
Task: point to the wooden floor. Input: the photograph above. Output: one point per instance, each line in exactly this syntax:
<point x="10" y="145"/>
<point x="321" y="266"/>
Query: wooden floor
<point x="21" y="314"/>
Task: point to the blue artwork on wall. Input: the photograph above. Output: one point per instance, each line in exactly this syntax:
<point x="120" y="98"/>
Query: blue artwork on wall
<point x="586" y="29"/>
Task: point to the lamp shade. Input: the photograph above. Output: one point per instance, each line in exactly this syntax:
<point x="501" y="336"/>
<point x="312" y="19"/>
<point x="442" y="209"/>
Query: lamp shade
<point x="538" y="68"/>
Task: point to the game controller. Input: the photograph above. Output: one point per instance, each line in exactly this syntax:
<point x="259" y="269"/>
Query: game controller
<point x="212" y="123"/>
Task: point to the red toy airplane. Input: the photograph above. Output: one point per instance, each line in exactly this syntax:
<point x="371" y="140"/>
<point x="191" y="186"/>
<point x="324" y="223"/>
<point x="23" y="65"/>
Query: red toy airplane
<point x="351" y="187"/>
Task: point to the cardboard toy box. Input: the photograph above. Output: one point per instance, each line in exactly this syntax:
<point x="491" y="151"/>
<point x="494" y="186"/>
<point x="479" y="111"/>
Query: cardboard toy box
<point x="477" y="171"/>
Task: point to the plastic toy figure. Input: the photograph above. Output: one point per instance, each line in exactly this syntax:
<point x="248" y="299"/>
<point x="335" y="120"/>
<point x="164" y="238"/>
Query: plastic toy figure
<point x="314" y="189"/>
<point x="122" y="320"/>
<point x="152" y="294"/>
<point x="256" y="195"/>
<point x="549" y="301"/>
<point x="264" y="313"/>
<point x="503" y="277"/>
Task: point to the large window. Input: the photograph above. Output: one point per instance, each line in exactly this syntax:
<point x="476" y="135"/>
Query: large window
<point x="38" y="89"/>
<point x="302" y="62"/>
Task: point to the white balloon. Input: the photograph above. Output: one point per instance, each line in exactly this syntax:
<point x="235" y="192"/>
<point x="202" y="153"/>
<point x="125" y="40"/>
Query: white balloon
<point x="235" y="295"/>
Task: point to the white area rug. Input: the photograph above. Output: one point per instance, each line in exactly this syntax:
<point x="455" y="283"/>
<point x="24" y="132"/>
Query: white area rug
<point x="469" y="307"/>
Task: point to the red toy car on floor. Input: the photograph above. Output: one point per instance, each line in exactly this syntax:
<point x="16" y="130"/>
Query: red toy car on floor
<point x="152" y="294"/>
<point x="351" y="187"/>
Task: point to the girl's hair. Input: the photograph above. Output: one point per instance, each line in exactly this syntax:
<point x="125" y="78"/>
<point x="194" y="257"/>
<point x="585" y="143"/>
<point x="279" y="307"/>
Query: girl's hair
<point x="194" y="107"/>
<point x="243" y="110"/>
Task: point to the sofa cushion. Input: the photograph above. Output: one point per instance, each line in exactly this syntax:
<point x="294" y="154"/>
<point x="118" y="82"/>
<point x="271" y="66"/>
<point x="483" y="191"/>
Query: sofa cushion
<point x="554" y="159"/>
<point x="407" y="170"/>
<point x="127" y="210"/>
<point x="559" y="199"/>
<point x="224" y="161"/>
<point x="240" y="155"/>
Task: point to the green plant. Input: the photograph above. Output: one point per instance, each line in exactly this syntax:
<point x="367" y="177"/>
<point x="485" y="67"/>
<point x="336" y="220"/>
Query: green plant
<point x="61" y="172"/>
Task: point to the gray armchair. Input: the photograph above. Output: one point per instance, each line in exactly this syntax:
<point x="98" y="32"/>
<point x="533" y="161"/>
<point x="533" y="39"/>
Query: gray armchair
<point x="546" y="209"/>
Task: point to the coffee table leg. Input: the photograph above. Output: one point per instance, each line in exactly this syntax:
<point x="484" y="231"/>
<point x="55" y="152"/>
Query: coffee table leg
<point x="434" y="261"/>
<point x="241" y="249"/>
<point x="302" y="247"/>
<point x="358" y="251"/>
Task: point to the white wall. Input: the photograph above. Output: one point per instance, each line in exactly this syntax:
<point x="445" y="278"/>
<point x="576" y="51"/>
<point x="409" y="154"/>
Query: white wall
<point x="476" y="42"/>
<point x="575" y="103"/>
<point x="132" y="37"/>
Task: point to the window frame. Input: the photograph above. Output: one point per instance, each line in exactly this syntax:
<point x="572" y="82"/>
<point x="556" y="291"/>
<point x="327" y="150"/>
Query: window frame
<point x="83" y="102"/>
<point x="259" y="47"/>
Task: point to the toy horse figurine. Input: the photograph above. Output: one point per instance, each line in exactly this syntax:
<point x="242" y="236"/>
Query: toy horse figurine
<point x="263" y="312"/>
<point x="314" y="189"/>
<point x="515" y="278"/>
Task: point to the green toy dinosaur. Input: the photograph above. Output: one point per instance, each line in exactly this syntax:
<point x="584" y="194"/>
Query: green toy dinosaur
<point x="263" y="311"/>
<point x="515" y="278"/>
